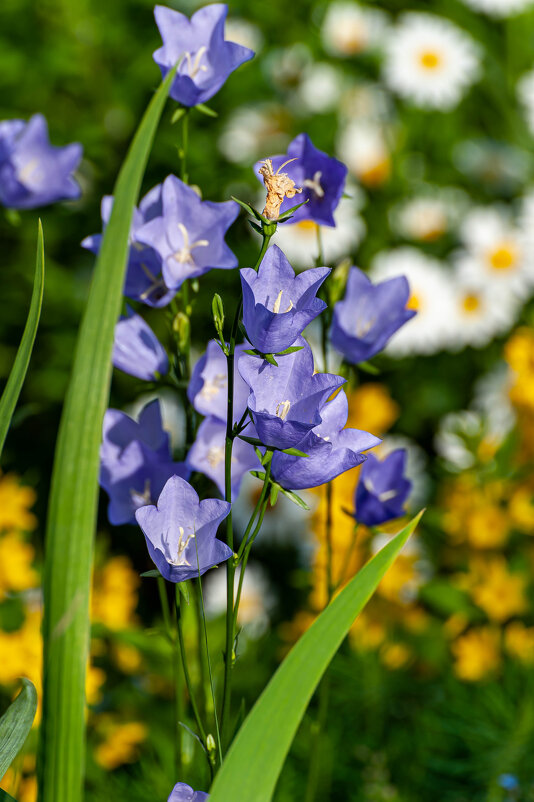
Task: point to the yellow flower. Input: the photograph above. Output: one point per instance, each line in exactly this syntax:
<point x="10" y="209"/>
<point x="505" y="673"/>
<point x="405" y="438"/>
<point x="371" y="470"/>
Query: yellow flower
<point x="395" y="655"/>
<point x="16" y="557"/>
<point x="372" y="409"/>
<point x="519" y="353"/>
<point x="401" y="580"/>
<point x="94" y="680"/>
<point x="367" y="633"/>
<point x="121" y="744"/>
<point x="519" y="642"/>
<point x="115" y="594"/>
<point x="476" y="654"/>
<point x="127" y="658"/>
<point x="15" y="501"/>
<point x="496" y="590"/>
<point x="521" y="509"/>
<point x="487" y="527"/>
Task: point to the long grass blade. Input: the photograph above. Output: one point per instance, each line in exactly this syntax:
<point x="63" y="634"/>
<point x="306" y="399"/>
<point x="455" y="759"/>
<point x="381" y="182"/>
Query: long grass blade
<point x="255" y="760"/>
<point x="16" y="724"/>
<point x="74" y="492"/>
<point x="11" y="393"/>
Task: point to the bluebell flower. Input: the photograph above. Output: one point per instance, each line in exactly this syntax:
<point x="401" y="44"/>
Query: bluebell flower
<point x="189" y="233"/>
<point x="180" y="531"/>
<point x="321" y="177"/>
<point x="206" y="59"/>
<point x="277" y="304"/>
<point x="285" y="399"/>
<point x="137" y="350"/>
<point x="184" y="793"/>
<point x="331" y="448"/>
<point x="144" y="281"/>
<point x="369" y="315"/>
<point x="32" y="171"/>
<point x="207" y="454"/>
<point x="208" y="387"/>
<point x="135" y="461"/>
<point x="382" y="489"/>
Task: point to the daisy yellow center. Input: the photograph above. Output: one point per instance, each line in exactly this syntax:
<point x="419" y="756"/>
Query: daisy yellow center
<point x="470" y="302"/>
<point x="414" y="302"/>
<point x="430" y="60"/>
<point x="351" y="38"/>
<point x="503" y="257"/>
<point x="307" y="227"/>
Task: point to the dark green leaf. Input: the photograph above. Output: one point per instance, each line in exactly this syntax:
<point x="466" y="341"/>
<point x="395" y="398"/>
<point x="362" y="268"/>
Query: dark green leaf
<point x="16" y="724"/>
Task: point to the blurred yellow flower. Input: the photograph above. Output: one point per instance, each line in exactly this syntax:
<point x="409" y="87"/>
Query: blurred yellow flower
<point x="395" y="655"/>
<point x="21" y="651"/>
<point x="367" y="633"/>
<point x="519" y="353"/>
<point x="27" y="791"/>
<point x="372" y="409"/>
<point x="521" y="508"/>
<point x="94" y="680"/>
<point x="401" y="580"/>
<point x="16" y="558"/>
<point x="114" y="598"/>
<point x="127" y="658"/>
<point x="15" y="501"/>
<point x="495" y="589"/>
<point x="476" y="654"/>
<point x="121" y="744"/>
<point x="519" y="642"/>
<point x="487" y="526"/>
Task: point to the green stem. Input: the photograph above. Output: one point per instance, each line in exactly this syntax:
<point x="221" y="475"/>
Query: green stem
<point x="255" y="512"/>
<point x="183" y="150"/>
<point x="176" y="670"/>
<point x="187" y="677"/>
<point x="245" y="559"/>
<point x="229" y="653"/>
<point x="202" y="655"/>
<point x="206" y="642"/>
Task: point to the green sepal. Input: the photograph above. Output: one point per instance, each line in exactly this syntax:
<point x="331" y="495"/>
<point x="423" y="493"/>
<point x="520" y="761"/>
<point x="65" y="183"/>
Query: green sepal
<point x="183" y="589"/>
<point x="270" y="359"/>
<point x="368" y="367"/>
<point x="291" y="350"/>
<point x="294" y="498"/>
<point x="206" y="110"/>
<point x="289" y="213"/>
<point x="178" y="114"/>
<point x="258" y="475"/>
<point x="294" y="452"/>
<point x="252" y="440"/>
<point x="273" y="496"/>
<point x="256" y="227"/>
<point x="152" y="573"/>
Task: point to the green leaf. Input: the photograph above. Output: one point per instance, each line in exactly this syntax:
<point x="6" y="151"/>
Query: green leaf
<point x="253" y="764"/>
<point x="5" y="797"/>
<point x="74" y="491"/>
<point x="11" y="393"/>
<point x="368" y="367"/>
<point x="292" y="496"/>
<point x="15" y="725"/>
<point x="206" y="110"/>
<point x="152" y="573"/>
<point x="178" y="114"/>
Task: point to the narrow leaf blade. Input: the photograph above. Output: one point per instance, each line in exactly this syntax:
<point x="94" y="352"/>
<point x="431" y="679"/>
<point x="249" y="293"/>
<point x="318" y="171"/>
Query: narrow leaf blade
<point x="15" y="725"/>
<point x="254" y="762"/>
<point x="11" y="393"/>
<point x="74" y="492"/>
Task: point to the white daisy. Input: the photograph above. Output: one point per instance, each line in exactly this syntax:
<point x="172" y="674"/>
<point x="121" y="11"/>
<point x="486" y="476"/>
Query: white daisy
<point x="367" y="102"/>
<point x="256" y="598"/>
<point x="458" y="437"/>
<point x="362" y="147"/>
<point x="349" y="29"/>
<point x="320" y="88"/>
<point x="492" y="399"/>
<point x="481" y="310"/>
<point x="299" y="240"/>
<point x="430" y="61"/>
<point x="525" y="92"/>
<point x="244" y="33"/>
<point x="430" y="215"/>
<point x="253" y="131"/>
<point x="499" y="8"/>
<point x="495" y="251"/>
<point x="431" y="295"/>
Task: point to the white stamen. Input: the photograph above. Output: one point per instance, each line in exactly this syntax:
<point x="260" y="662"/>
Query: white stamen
<point x="315" y="184"/>
<point x="184" y="255"/>
<point x="215" y="456"/>
<point x="193" y="65"/>
<point x="144" y="498"/>
<point x="156" y="283"/>
<point x="183" y="543"/>
<point x="387" y="495"/>
<point x="29" y="171"/>
<point x="364" y="326"/>
<point x="282" y="409"/>
<point x="277" y="303"/>
<point x="213" y="387"/>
